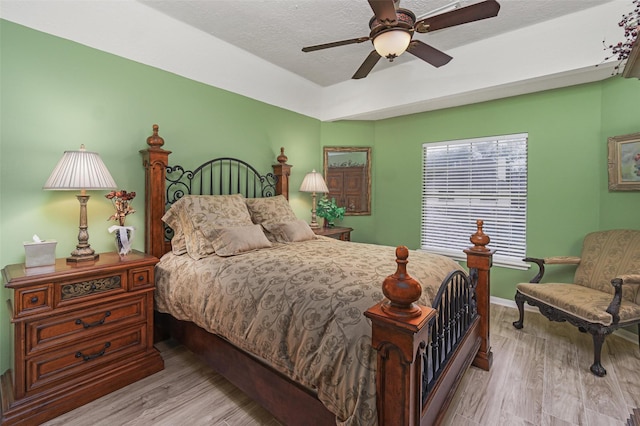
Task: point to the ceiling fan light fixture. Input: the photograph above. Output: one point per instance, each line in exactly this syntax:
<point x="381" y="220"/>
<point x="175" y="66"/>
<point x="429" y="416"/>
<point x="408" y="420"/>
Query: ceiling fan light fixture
<point x="392" y="29"/>
<point x="391" y="44"/>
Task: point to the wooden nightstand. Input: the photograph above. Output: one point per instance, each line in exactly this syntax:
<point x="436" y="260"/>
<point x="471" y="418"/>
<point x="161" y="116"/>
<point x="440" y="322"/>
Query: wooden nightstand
<point x="81" y="331"/>
<point x="343" y="234"/>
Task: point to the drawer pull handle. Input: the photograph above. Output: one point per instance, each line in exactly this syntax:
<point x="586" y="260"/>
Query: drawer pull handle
<point x="93" y="324"/>
<point x="94" y="356"/>
<point x="34" y="299"/>
<point x="140" y="277"/>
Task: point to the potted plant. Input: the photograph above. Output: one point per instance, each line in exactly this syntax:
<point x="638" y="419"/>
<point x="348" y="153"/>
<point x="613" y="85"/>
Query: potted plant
<point x="329" y="210"/>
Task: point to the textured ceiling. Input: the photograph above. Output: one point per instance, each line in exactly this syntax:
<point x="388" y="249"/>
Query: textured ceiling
<point x="276" y="30"/>
<point x="253" y="48"/>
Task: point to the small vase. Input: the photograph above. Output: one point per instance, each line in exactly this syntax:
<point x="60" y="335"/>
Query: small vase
<point x="124" y="237"/>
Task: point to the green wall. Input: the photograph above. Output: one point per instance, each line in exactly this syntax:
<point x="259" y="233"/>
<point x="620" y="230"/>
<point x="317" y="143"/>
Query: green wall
<point x="567" y="159"/>
<point x="360" y="134"/>
<point x="57" y="94"/>
<point x="620" y="116"/>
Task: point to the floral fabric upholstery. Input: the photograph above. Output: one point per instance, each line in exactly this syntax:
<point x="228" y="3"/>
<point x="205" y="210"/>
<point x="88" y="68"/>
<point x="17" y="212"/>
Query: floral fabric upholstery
<point x="299" y="307"/>
<point x="290" y="232"/>
<point x="200" y="218"/>
<point x="270" y="210"/>
<point x="274" y="214"/>
<point x="605" y="255"/>
<point x="582" y="302"/>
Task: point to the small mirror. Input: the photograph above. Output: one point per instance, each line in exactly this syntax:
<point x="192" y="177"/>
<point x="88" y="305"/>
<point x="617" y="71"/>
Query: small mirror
<point x="347" y="171"/>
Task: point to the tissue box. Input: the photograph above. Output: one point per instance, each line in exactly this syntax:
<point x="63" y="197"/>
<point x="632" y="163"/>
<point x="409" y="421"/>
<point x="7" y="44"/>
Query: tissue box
<point x="40" y="254"/>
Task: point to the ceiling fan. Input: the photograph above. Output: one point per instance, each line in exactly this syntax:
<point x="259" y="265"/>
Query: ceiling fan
<point x="392" y="28"/>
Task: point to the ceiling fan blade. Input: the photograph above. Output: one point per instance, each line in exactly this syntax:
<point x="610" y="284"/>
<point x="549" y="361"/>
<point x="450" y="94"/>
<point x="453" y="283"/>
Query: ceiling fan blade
<point x="475" y="12"/>
<point x="335" y="44"/>
<point x="385" y="11"/>
<point x="429" y="54"/>
<point x="367" y="65"/>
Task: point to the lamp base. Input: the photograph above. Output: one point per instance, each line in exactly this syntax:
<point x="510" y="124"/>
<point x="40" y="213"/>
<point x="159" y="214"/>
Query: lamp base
<point x="79" y="258"/>
<point x="83" y="251"/>
<point x="314" y="222"/>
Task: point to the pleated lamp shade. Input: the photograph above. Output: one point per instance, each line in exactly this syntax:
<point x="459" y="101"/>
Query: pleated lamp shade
<point x="80" y="170"/>
<point x="313" y="182"/>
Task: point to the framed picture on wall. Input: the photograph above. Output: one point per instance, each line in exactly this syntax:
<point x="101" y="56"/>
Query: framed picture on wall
<point x="624" y="162"/>
<point x="347" y="171"/>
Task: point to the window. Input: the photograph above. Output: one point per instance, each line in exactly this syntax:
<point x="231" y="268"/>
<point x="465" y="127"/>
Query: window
<point x="466" y="180"/>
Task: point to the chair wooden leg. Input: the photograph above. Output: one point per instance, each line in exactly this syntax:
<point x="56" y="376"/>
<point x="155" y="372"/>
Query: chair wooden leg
<point x="520" y="302"/>
<point x="597" y="368"/>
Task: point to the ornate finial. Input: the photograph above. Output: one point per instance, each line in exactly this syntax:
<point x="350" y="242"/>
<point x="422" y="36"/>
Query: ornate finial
<point x="401" y="290"/>
<point x="155" y="141"/>
<point x="479" y="239"/>
<point x="282" y="159"/>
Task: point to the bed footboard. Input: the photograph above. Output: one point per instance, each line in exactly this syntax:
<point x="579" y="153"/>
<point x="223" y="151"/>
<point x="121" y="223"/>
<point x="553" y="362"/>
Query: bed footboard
<point x="423" y="352"/>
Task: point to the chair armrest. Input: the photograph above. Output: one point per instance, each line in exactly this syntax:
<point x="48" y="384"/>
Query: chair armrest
<point x="562" y="260"/>
<point x="614" y="306"/>
<point x="630" y="278"/>
<point x="556" y="260"/>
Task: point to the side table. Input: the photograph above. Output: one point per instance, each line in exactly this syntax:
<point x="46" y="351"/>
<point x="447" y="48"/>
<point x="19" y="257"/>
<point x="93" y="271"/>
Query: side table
<point x="341" y="233"/>
<point x="81" y="331"/>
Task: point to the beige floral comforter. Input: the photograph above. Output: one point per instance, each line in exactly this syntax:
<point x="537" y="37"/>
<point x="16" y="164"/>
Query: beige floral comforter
<point x="299" y="307"/>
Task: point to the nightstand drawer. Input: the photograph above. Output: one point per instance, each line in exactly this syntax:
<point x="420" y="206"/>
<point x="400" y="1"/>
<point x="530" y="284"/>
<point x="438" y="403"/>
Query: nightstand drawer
<point x="83" y="358"/>
<point x="69" y="328"/>
<point x="33" y="300"/>
<point x="81" y="290"/>
<point x="140" y="278"/>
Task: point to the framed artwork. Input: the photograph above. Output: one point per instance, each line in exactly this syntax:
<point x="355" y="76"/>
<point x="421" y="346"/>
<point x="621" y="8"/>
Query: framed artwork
<point x="347" y="171"/>
<point x="624" y="162"/>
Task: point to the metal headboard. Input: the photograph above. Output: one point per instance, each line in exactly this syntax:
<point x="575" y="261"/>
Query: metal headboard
<point x="220" y="176"/>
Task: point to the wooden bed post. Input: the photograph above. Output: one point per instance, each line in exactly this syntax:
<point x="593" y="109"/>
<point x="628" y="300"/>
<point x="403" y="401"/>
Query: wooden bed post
<point x="155" y="161"/>
<point x="282" y="171"/>
<point x="399" y="327"/>
<point x="479" y="260"/>
<point x="400" y="332"/>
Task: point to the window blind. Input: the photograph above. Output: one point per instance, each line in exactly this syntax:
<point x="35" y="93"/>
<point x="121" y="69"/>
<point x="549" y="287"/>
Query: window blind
<point x="466" y="180"/>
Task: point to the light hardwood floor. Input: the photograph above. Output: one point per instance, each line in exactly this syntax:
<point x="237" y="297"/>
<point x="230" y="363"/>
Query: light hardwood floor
<point x="540" y="376"/>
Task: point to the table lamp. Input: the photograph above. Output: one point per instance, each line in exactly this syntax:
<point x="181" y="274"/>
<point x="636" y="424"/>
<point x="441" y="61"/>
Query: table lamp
<point x="313" y="182"/>
<point x="81" y="170"/>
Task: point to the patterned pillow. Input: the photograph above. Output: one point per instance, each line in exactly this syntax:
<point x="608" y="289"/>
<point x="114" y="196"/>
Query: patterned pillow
<point x="178" y="244"/>
<point x="201" y="216"/>
<point x="270" y="210"/>
<point x="290" y="232"/>
<point x="239" y="239"/>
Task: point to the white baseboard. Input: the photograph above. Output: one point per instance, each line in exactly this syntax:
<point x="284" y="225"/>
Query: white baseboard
<point x="627" y="335"/>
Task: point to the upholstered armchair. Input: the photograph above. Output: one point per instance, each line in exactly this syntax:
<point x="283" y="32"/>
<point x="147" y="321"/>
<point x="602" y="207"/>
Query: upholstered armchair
<point x="604" y="296"/>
